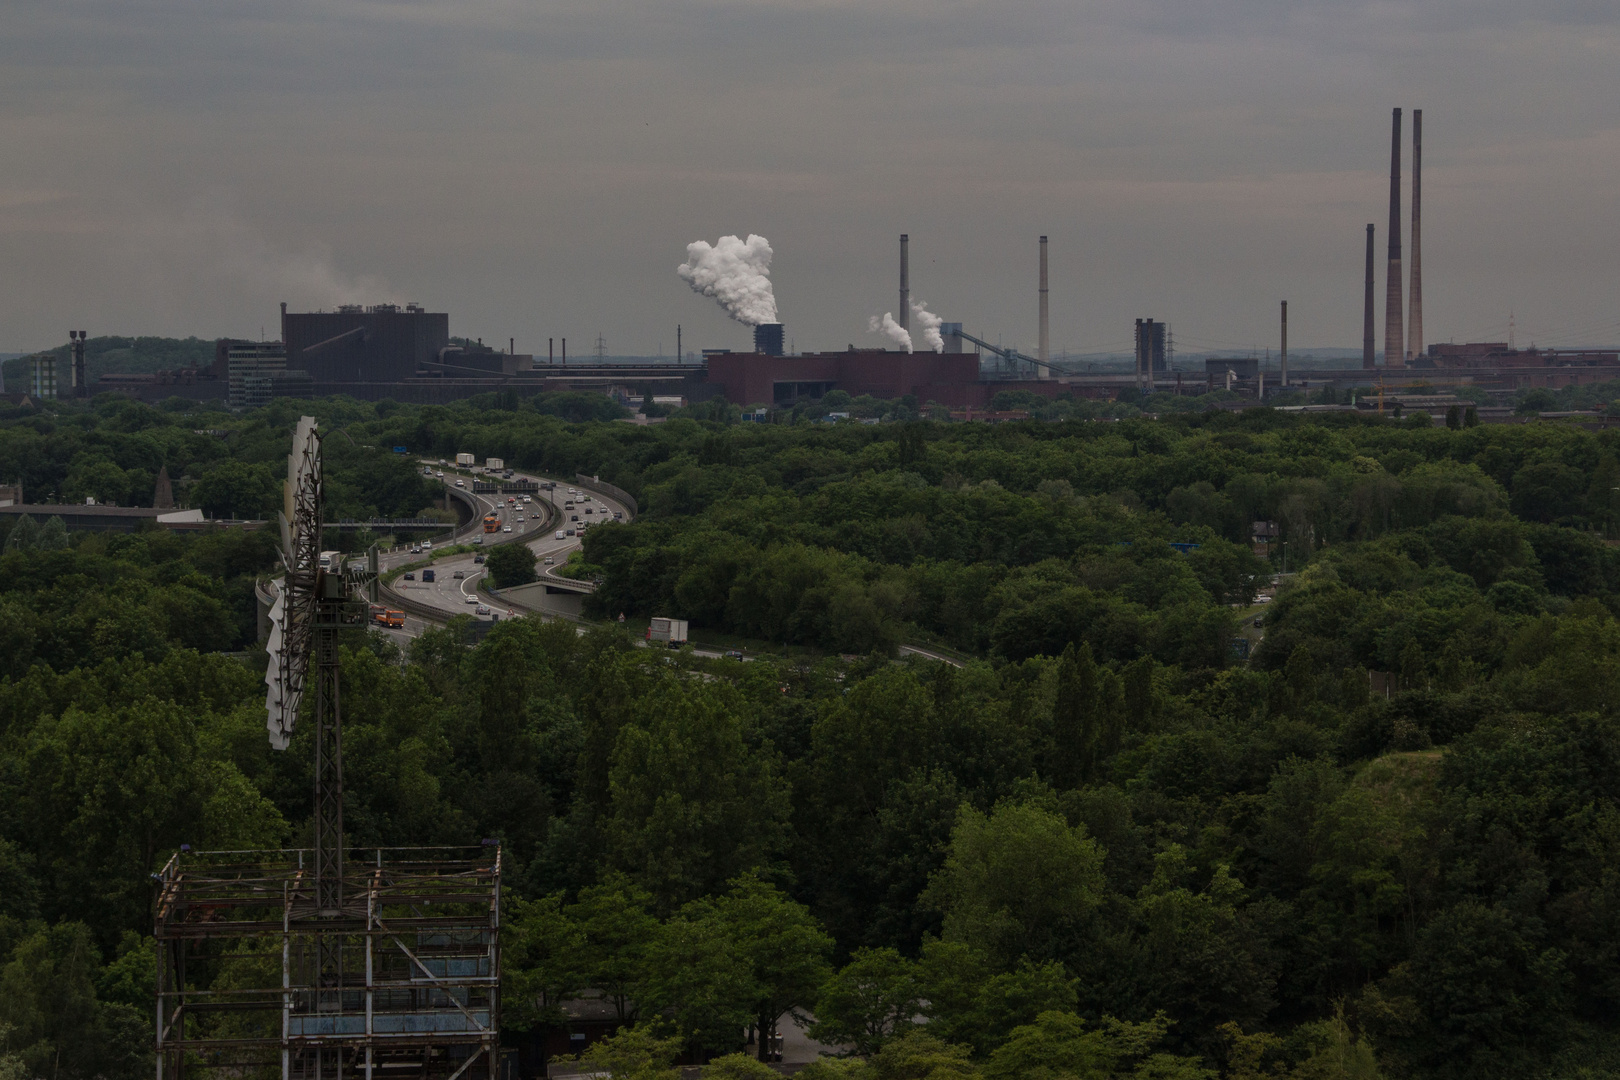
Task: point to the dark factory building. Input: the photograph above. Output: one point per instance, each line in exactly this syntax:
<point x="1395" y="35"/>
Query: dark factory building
<point x="1150" y="357"/>
<point x="951" y="379"/>
<point x="356" y="344"/>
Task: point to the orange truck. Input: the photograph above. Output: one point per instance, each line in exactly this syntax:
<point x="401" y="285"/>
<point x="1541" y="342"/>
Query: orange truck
<point x="383" y="616"/>
<point x="492" y="523"/>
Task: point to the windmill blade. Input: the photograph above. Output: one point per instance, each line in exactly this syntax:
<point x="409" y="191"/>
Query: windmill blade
<point x="277" y="698"/>
<point x="292" y="617"/>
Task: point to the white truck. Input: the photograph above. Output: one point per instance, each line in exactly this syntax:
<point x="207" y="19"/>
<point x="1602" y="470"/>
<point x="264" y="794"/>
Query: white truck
<point x="495" y="464"/>
<point x="465" y="460"/>
<point x="672" y="631"/>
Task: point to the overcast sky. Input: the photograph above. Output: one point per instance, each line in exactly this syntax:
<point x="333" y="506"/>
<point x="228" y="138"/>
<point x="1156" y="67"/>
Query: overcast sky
<point x="536" y="168"/>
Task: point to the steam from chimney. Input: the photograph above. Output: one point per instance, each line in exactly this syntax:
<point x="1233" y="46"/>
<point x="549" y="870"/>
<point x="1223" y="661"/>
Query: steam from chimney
<point x="736" y="274"/>
<point x="928" y="325"/>
<point x="890" y="329"/>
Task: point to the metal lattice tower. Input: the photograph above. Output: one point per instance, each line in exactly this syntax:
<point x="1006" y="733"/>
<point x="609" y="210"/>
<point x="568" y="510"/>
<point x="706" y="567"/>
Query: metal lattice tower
<point x="392" y="964"/>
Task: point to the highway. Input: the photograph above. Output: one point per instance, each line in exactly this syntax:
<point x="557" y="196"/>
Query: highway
<point x="459" y="596"/>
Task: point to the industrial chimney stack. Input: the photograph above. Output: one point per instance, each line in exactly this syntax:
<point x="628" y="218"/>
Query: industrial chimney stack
<point x="1414" y="340"/>
<point x="1369" y="358"/>
<point x="1394" y="335"/>
<point x="905" y="280"/>
<point x="81" y="387"/>
<point x="1284" y="381"/>
<point x="1044" y="353"/>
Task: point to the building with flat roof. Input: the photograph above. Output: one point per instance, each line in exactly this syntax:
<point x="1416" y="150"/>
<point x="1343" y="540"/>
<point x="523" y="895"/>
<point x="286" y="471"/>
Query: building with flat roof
<point x="42" y="376"/>
<point x="356" y="344"/>
<point x="250" y="367"/>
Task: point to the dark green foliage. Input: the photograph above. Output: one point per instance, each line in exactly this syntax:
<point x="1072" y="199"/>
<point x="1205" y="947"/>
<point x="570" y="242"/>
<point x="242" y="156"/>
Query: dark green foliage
<point x="510" y="564"/>
<point x="1099" y="847"/>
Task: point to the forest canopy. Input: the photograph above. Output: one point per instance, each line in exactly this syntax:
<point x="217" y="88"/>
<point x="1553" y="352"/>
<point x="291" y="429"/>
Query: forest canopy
<point x="1103" y="841"/>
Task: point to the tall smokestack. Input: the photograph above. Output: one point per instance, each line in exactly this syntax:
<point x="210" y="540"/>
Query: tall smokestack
<point x="1394" y="336"/>
<point x="1369" y="358"/>
<point x="1414" y="330"/>
<point x="1284" y="381"/>
<point x="905" y="281"/>
<point x="1045" y="351"/>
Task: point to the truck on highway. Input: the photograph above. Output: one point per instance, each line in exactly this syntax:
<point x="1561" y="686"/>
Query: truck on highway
<point x="495" y="464"/>
<point x="427" y="575"/>
<point x="466" y="460"/>
<point x="384" y="616"/>
<point x="672" y="631"/>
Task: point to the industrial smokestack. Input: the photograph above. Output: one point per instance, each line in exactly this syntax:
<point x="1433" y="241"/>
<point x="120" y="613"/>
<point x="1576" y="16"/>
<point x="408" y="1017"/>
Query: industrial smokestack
<point x="768" y="339"/>
<point x="1368" y="357"/>
<point x="1044" y="353"/>
<point x="1284" y="380"/>
<point x="1414" y="330"/>
<point x="1394" y="336"/>
<point x="905" y="281"/>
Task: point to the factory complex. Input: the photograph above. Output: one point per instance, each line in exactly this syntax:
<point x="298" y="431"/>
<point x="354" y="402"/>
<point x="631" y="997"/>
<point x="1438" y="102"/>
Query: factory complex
<point x="407" y="354"/>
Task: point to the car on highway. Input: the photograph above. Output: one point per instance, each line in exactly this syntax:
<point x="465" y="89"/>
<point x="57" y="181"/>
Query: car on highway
<point x="459" y="574"/>
<point x="618" y="515"/>
<point x="550" y="561"/>
<point x="410" y="577"/>
<point x="483" y="609"/>
<point x="416" y="549"/>
<point x="439" y="473"/>
<point x="427" y="545"/>
<point x="472" y="599"/>
<point x="479" y="559"/>
<point x="506" y="528"/>
<point x="461" y="483"/>
<point x="570" y="532"/>
<point x="519" y="518"/>
<point x="734" y="654"/>
<point x="478" y="539"/>
<point x="560" y="534"/>
<point x="573" y="517"/>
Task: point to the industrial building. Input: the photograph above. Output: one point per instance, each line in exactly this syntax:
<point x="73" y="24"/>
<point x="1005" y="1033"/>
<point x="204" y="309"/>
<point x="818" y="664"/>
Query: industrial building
<point x="1150" y="355"/>
<point x="355" y="344"/>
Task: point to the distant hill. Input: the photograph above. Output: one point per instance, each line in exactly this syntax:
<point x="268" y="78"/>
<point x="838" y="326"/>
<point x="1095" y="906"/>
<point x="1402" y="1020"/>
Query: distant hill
<point x="118" y="355"/>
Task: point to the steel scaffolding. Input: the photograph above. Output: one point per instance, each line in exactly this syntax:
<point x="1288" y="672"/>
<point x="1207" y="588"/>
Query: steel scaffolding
<point x="255" y="975"/>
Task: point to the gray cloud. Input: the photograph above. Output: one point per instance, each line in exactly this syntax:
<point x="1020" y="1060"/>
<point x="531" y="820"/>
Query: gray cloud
<point x="538" y="168"/>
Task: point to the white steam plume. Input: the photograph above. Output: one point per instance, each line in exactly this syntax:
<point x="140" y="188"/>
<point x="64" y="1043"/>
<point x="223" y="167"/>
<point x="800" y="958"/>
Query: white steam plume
<point x="929" y="324"/>
<point x="736" y="273"/>
<point x="890" y="329"/>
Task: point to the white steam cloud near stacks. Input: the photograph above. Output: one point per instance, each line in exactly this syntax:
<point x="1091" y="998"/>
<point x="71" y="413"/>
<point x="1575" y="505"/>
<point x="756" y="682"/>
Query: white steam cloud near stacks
<point x="928" y="325"/>
<point x="890" y="329"/>
<point x="736" y="274"/>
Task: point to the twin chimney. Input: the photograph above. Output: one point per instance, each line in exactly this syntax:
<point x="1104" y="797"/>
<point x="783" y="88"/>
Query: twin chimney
<point x="1403" y="331"/>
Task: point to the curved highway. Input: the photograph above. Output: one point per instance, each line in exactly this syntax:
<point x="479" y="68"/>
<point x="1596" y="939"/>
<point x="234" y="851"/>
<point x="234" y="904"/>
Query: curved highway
<point x="536" y="523"/>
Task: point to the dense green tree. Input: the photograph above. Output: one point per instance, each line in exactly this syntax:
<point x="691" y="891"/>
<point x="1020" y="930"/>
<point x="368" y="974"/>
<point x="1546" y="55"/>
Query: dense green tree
<point x="618" y="931"/>
<point x="693" y="803"/>
<point x="870" y="1000"/>
<point x="1017" y="882"/>
<point x="510" y="564"/>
